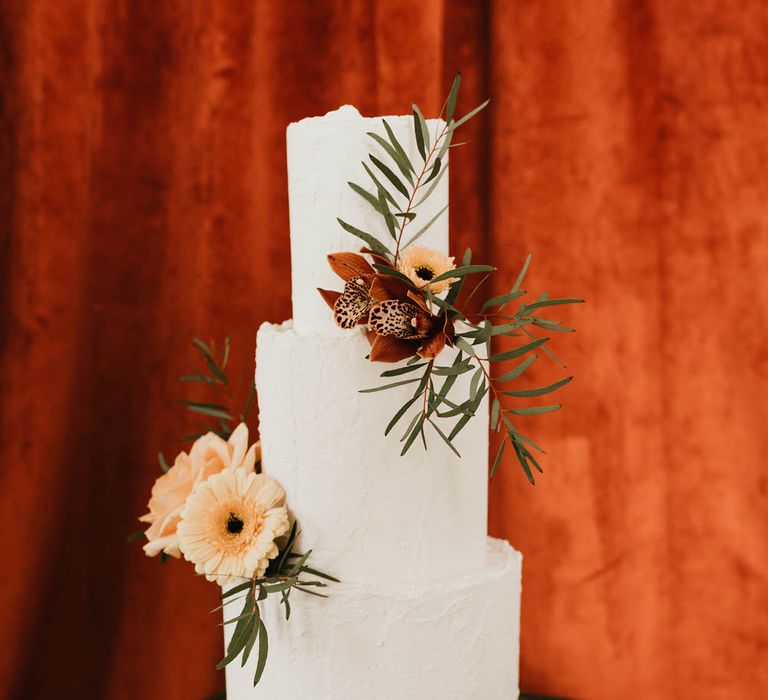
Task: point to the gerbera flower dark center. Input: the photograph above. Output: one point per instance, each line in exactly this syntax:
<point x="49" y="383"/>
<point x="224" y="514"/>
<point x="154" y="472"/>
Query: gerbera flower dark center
<point x="234" y="524"/>
<point x="425" y="273"/>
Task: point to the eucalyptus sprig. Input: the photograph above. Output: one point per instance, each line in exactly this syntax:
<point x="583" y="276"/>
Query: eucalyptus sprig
<point x="434" y="402"/>
<point x="216" y="376"/>
<point x="288" y="571"/>
<point x="401" y="186"/>
<point x="434" y="397"/>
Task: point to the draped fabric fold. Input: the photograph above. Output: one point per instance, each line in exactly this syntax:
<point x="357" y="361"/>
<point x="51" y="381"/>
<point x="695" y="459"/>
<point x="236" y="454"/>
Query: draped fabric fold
<point x="143" y="201"/>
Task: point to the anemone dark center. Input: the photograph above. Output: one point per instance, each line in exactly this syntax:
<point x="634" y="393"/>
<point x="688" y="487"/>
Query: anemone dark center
<point x="234" y="524"/>
<point x="425" y="273"/>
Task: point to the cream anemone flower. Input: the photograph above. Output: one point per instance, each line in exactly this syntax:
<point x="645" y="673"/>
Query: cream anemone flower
<point x="209" y="455"/>
<point x="230" y="522"/>
<point x="421" y="265"/>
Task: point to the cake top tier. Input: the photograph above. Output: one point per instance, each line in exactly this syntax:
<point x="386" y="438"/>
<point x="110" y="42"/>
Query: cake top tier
<point x="325" y="154"/>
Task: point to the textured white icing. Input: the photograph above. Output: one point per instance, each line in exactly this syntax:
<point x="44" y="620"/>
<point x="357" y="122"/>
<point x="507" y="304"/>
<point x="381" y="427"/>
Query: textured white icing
<point x="363" y="509"/>
<point x="324" y="153"/>
<point x="429" y="607"/>
<point x="452" y="639"/>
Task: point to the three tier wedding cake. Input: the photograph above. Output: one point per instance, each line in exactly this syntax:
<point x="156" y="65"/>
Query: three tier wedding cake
<point x="353" y="565"/>
<point x="428" y="606"/>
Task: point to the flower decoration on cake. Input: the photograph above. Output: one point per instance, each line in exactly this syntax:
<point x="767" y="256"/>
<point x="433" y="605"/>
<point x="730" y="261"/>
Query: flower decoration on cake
<point x="209" y="455"/>
<point x="398" y="320"/>
<point x="216" y="508"/>
<point x="230" y="524"/>
<point x="423" y="265"/>
<point x="413" y="302"/>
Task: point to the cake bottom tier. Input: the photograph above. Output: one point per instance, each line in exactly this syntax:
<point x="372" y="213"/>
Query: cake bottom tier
<point x="453" y="639"/>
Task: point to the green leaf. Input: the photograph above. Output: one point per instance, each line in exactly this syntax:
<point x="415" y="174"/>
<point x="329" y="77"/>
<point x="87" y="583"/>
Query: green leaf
<point x="521" y="276"/>
<point x="424" y="228"/>
<point x="163" y="464"/>
<point x="400" y="413"/>
<point x="372" y="199"/>
<point x="551" y="354"/>
<point x="225" y="356"/>
<point x="415" y="431"/>
<point x="522" y="438"/>
<point x="517" y="352"/>
<point x="434" y="184"/>
<point x="475" y="383"/>
<point x="392" y="272"/>
<point x="396" y="145"/>
<point x="380" y="187"/>
<point x="389" y="386"/>
<point x="531" y="458"/>
<point x="288" y="545"/>
<point x="463" y="271"/>
<point x="410" y="425"/>
<point x="303" y="589"/>
<point x="522" y="459"/>
<point x="469" y="115"/>
<point x="315" y="572"/>
<point x="534" y="410"/>
<point x="435" y="171"/>
<point x="447" y="138"/>
<point x="547" y="302"/>
<point x="263" y="651"/>
<point x="425" y="378"/>
<point x="463" y="409"/>
<point x="284" y="601"/>
<point x="394" y="179"/>
<point x="495" y="406"/>
<point x="539" y="392"/>
<point x="138" y="535"/>
<point x="502" y="299"/>
<point x="552" y="325"/>
<point x="207" y="409"/>
<point x="252" y="637"/>
<point x="421" y="131"/>
<point x="403" y="164"/>
<point x="459" y="425"/>
<point x="203" y="347"/>
<point x="445" y="439"/>
<point x="389" y="220"/>
<point x="407" y="215"/>
<point x="465" y="346"/>
<point x="240" y="636"/>
<point x="372" y="242"/>
<point x="456" y="287"/>
<point x="454" y="369"/>
<point x="452" y="95"/>
<point x="497" y="461"/>
<point x="518" y="370"/>
<point x="198" y="378"/>
<point x="248" y="402"/>
<point x="215" y="370"/>
<point x="237" y="589"/>
<point x="402" y="370"/>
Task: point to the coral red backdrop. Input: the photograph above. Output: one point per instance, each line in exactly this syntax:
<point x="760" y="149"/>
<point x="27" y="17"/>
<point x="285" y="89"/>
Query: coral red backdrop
<point x="143" y="200"/>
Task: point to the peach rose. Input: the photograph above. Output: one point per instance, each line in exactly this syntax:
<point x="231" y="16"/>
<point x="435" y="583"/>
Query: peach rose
<point x="209" y="455"/>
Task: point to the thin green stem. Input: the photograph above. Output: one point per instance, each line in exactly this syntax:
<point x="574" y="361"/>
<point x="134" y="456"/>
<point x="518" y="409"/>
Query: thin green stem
<point x="416" y="187"/>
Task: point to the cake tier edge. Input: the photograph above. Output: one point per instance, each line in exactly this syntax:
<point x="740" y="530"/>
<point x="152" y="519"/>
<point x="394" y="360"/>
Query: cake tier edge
<point x="452" y="639"/>
<point x="363" y="508"/>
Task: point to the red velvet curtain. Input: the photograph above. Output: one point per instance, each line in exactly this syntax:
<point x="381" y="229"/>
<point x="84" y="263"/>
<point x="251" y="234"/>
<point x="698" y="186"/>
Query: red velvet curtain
<point x="143" y="201"/>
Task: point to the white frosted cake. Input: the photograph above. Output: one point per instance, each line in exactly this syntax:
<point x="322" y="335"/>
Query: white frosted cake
<point x="428" y="606"/>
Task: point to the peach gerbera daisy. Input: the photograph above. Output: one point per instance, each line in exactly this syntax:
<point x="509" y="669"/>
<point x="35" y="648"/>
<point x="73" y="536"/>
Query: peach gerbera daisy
<point x="209" y="455"/>
<point x="421" y="265"/>
<point x="230" y="522"/>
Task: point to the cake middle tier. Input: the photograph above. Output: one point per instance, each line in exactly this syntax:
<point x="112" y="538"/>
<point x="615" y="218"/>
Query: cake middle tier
<point x="368" y="513"/>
